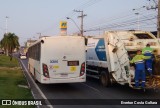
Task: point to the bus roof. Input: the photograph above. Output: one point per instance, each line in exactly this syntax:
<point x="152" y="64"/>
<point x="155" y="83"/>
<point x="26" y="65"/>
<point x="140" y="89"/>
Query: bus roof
<point x="52" y="37"/>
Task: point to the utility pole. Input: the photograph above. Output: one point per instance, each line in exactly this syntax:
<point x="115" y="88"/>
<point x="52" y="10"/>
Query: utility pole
<point x="155" y="6"/>
<point x="81" y="16"/>
<point x="158" y="20"/>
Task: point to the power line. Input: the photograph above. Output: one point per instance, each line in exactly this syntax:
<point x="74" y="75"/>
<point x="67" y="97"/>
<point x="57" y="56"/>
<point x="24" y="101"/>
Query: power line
<point x="121" y="16"/>
<point x="88" y="4"/>
<point x="102" y="23"/>
<point x="122" y="24"/>
<point x="71" y="13"/>
<point x="128" y="18"/>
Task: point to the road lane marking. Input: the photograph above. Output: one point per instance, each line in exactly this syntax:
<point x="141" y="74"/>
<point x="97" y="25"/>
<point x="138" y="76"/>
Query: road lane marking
<point x="99" y="92"/>
<point x="91" y="87"/>
<point x="34" y="97"/>
<point x="24" y="74"/>
<point x="39" y="90"/>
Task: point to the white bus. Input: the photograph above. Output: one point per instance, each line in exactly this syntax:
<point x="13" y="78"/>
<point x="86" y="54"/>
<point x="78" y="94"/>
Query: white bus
<point x="58" y="59"/>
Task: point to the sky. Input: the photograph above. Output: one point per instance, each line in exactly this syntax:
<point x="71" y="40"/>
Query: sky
<point x="28" y="18"/>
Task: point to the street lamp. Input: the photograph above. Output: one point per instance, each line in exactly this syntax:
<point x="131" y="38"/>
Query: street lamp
<point x="74" y="23"/>
<point x="138" y="13"/>
<point x="7" y="24"/>
<point x="138" y="24"/>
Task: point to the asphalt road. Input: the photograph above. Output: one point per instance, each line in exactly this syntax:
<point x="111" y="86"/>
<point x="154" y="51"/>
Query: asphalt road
<point x="93" y="90"/>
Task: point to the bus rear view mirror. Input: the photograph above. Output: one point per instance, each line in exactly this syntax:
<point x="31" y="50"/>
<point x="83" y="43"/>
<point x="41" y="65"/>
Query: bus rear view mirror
<point x="42" y="41"/>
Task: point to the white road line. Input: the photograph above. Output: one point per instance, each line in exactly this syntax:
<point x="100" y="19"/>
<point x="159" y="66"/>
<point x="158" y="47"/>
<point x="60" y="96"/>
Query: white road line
<point x="99" y="92"/>
<point x="29" y="85"/>
<point x="91" y="87"/>
<point x="24" y="74"/>
<point x="34" y="97"/>
<point x="39" y="90"/>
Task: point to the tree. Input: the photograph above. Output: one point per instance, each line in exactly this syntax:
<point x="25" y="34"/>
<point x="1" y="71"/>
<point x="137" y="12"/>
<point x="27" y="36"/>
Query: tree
<point x="9" y="42"/>
<point x="4" y="44"/>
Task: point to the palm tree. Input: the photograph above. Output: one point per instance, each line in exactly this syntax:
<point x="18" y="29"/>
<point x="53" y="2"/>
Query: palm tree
<point x="4" y="44"/>
<point x="9" y="43"/>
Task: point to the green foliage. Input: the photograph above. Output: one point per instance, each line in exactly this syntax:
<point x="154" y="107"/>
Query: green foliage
<point x="10" y="77"/>
<point x="5" y="62"/>
<point x="9" y="81"/>
<point x="9" y="42"/>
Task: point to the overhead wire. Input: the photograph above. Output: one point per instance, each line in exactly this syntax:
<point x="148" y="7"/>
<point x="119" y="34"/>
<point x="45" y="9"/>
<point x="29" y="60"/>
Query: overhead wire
<point x="72" y="13"/>
<point x="117" y="21"/>
<point x="116" y="17"/>
<point x="97" y="27"/>
<point x="125" y="23"/>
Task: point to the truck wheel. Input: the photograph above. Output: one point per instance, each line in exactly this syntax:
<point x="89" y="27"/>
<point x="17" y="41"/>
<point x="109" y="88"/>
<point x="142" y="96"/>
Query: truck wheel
<point x="104" y="78"/>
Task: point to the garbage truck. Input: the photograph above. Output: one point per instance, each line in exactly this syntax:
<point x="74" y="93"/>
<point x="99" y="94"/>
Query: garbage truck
<point x="108" y="57"/>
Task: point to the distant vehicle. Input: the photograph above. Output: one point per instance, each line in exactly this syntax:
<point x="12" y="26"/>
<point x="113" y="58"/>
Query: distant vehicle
<point x="23" y="56"/>
<point x="1" y="51"/>
<point x="108" y="56"/>
<point x="58" y="59"/>
<point x="23" y="53"/>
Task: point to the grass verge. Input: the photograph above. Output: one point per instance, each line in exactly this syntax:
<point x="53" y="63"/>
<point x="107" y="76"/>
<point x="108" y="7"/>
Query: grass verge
<point x="10" y="77"/>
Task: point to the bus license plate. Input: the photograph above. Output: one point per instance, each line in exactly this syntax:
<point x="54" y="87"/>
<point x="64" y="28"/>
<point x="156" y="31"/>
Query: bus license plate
<point x="64" y="75"/>
<point x="73" y="68"/>
<point x="73" y="63"/>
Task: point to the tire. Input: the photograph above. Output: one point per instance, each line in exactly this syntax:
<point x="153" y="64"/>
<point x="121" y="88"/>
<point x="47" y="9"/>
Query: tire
<point x="29" y="68"/>
<point x="35" y="80"/>
<point x="104" y="79"/>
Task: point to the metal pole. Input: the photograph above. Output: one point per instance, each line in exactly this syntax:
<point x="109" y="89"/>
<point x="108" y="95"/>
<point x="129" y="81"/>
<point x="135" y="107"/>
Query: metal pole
<point x="138" y="21"/>
<point x="158" y="20"/>
<point x="82" y="23"/>
<point x="6" y="24"/>
<point x="82" y="16"/>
